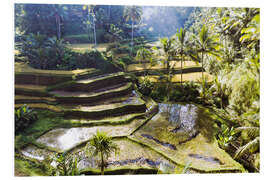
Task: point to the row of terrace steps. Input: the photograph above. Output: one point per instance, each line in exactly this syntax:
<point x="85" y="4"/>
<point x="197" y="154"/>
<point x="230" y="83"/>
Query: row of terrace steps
<point x="106" y="98"/>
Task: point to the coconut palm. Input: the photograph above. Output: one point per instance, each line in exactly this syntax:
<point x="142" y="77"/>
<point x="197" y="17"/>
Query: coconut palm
<point x="132" y="13"/>
<point x="182" y="47"/>
<point x="101" y="145"/>
<point x="166" y="54"/>
<point x="90" y="10"/>
<point x="144" y="54"/>
<point x="206" y="45"/>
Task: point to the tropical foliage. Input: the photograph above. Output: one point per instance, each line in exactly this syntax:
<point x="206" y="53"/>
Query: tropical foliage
<point x="225" y="42"/>
<point x="101" y="145"/>
<point x="24" y="116"/>
<point x="51" y="53"/>
<point x="235" y="64"/>
<point x="66" y="165"/>
<point x="132" y="13"/>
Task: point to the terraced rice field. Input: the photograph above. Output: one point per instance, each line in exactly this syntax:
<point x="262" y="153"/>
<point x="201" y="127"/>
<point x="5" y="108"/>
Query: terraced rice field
<point x="84" y="104"/>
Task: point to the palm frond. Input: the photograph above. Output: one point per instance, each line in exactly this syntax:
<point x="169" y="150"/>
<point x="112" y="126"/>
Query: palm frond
<point x="251" y="131"/>
<point x="244" y="149"/>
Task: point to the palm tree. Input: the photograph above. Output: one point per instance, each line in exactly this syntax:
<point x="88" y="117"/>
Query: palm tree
<point x="58" y="12"/>
<point x="206" y="45"/>
<point x="132" y="13"/>
<point x="182" y="47"/>
<point x="167" y="53"/>
<point x="101" y="145"/>
<point x="90" y="10"/>
<point x="144" y="54"/>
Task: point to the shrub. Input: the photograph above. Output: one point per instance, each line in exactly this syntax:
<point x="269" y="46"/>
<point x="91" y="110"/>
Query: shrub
<point x="66" y="165"/>
<point x="24" y="116"/>
<point x="226" y="136"/>
<point x="51" y="53"/>
<point x="145" y="86"/>
<point x="95" y="59"/>
<point x="43" y="52"/>
<point x="126" y="59"/>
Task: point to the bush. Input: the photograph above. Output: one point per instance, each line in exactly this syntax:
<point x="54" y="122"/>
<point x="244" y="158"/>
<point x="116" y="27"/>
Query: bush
<point x="24" y="116"/>
<point x="180" y="93"/>
<point x="126" y="59"/>
<point x="96" y="60"/>
<point x="43" y="52"/>
<point x="145" y="86"/>
<point x="51" y="53"/>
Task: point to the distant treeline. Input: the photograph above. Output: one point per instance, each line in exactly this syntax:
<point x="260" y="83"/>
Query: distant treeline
<point x="76" y="22"/>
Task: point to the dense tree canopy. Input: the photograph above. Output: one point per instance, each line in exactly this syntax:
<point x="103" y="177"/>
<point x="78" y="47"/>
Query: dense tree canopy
<point x="63" y="20"/>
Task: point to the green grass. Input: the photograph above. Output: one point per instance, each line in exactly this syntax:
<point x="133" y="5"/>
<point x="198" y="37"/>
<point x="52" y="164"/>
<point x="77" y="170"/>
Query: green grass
<point x="47" y="121"/>
<point x="25" y="168"/>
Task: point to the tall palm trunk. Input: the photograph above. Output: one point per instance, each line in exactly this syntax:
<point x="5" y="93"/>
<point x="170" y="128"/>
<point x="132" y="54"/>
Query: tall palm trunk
<point x="94" y="31"/>
<point x="131" y="37"/>
<point x="109" y="14"/>
<point x="102" y="163"/>
<point x="168" y="80"/>
<point x="203" y="76"/>
<point x="58" y="26"/>
<point x="181" y="69"/>
<point x="202" y="66"/>
<point x="132" y="33"/>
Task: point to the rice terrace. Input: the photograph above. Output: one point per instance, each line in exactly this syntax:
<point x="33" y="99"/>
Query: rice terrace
<point x="125" y="89"/>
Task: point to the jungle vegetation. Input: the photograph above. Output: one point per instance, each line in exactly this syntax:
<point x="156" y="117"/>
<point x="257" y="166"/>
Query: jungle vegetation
<point x="224" y="41"/>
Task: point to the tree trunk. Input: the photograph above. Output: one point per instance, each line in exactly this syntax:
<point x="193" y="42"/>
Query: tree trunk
<point x="168" y="80"/>
<point x="94" y="31"/>
<point x="202" y="76"/>
<point x="109" y="14"/>
<point x="181" y="69"/>
<point x="132" y="33"/>
<point x="58" y="26"/>
<point x="202" y="65"/>
<point x="102" y="163"/>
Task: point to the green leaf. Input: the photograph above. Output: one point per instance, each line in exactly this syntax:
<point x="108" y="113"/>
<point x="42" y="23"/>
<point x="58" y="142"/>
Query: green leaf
<point x="256" y="18"/>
